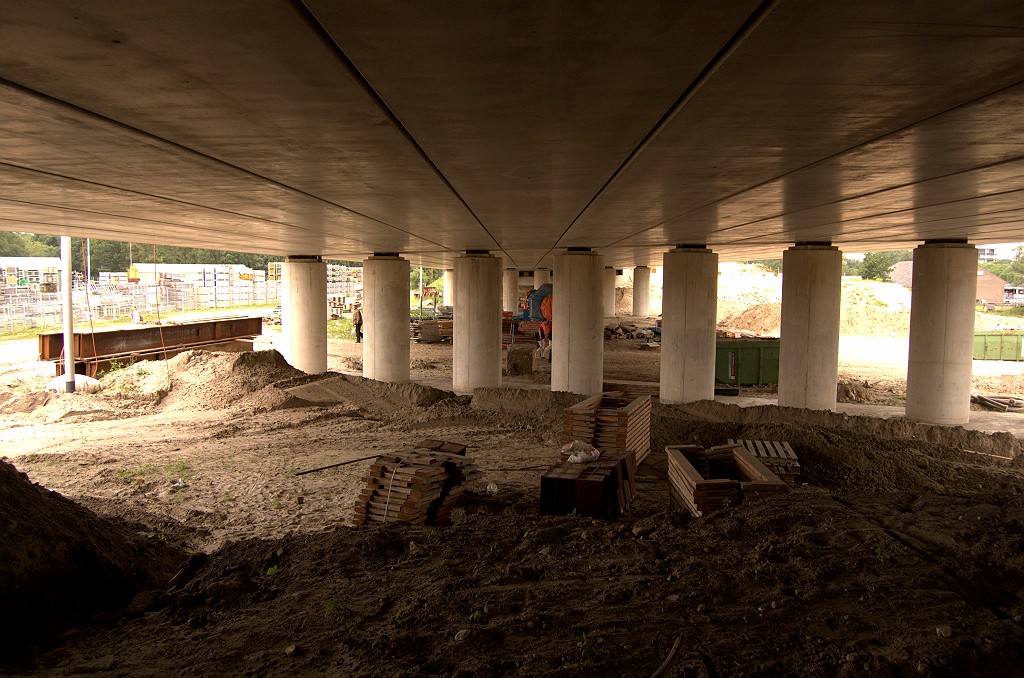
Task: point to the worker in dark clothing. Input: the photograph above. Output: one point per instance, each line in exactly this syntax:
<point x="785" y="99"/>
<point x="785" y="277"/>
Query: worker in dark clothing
<point x="357" y="322"/>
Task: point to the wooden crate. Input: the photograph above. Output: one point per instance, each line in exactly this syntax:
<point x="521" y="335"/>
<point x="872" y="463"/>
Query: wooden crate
<point x="610" y="422"/>
<point x="778" y="456"/>
<point x="703" y="480"/>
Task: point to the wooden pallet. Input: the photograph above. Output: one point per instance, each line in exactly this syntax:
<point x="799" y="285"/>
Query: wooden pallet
<point x="420" y="485"/>
<point x="609" y="422"/>
<point x="703" y="480"/>
<point x="778" y="456"/>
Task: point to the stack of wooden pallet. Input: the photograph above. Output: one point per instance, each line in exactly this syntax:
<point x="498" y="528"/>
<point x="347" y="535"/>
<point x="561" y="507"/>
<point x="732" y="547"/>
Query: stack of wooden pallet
<point x="601" y="488"/>
<point x="611" y="422"/>
<point x="633" y="389"/>
<point x="518" y="331"/>
<point x="431" y="331"/>
<point x="420" y="485"/>
<point x="777" y="456"/>
<point x="703" y="480"/>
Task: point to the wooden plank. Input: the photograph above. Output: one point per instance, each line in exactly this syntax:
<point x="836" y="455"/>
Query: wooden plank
<point x="752" y="468"/>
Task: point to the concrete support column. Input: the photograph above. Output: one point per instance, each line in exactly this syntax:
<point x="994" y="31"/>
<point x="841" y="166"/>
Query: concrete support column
<point x="577" y="325"/>
<point x="688" y="325"/>
<point x="66" y="278"/>
<point x="541" y="276"/>
<point x="477" y="340"/>
<point x="945" y="286"/>
<point x="641" y="291"/>
<point x="304" y="313"/>
<point x="809" y="352"/>
<point x="449" y="287"/>
<point x="510" y="289"/>
<point x="609" y="292"/>
<point x="386" y="318"/>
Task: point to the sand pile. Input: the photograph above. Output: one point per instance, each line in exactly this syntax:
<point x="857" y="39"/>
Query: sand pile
<point x="868" y="309"/>
<point x="61" y="564"/>
<point x="764" y="319"/>
<point x="203" y="380"/>
<point x="24" y="403"/>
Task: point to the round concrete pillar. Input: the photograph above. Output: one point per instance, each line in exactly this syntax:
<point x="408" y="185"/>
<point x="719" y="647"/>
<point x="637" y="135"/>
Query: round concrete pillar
<point x="541" y="276"/>
<point x="477" y="341"/>
<point x="304" y="313"/>
<point x="944" y="289"/>
<point x="688" y="325"/>
<point x="609" y="292"/>
<point x="510" y="289"/>
<point x="641" y="291"/>
<point x="577" y="325"/>
<point x="449" y="287"/>
<point x="386" y="318"/>
<point x="809" y="352"/>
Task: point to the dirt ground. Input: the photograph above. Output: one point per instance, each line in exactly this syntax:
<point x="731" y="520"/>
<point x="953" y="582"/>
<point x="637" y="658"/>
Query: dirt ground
<point x="192" y="546"/>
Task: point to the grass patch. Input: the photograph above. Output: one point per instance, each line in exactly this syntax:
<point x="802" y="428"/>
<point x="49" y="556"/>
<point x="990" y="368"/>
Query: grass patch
<point x="1012" y="311"/>
<point x="81" y="326"/>
<point x="341" y="329"/>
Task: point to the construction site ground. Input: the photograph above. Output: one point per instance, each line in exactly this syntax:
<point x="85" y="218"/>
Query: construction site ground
<point x="900" y="551"/>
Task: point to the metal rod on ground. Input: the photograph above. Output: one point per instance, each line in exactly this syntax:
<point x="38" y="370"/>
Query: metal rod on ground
<point x="340" y="463"/>
<point x="69" y="320"/>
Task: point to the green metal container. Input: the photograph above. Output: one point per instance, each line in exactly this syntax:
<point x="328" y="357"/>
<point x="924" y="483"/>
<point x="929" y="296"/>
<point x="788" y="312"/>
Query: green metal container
<point x="999" y="346"/>
<point x="747" y="362"/>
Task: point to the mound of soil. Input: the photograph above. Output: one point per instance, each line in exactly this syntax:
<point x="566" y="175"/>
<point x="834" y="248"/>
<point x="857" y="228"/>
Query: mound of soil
<point x="955" y="437"/>
<point x="763" y="319"/>
<point x="868" y="310"/>
<point x="61" y="564"/>
<point x="15" y="403"/>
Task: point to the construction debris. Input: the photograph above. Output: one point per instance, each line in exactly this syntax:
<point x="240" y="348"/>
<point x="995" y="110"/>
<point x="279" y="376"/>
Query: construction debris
<point x="703" y="480"/>
<point x="999" y="403"/>
<point x="609" y="421"/>
<point x="419" y="486"/>
<point x="777" y="456"/>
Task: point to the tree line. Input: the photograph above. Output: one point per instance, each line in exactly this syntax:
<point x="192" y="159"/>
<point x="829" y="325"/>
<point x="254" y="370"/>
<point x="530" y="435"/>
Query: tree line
<point x="874" y="266"/>
<point x="114" y="256"/>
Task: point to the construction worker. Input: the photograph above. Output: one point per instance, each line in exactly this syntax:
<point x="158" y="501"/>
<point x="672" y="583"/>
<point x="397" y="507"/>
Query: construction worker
<point x="544" y="339"/>
<point x="357" y="322"/>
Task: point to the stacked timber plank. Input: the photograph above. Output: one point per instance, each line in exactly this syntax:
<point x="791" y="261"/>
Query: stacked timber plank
<point x="420" y="485"/>
<point x="601" y="488"/>
<point x="611" y="422"/>
<point x="431" y="331"/>
<point x="777" y="456"/>
<point x="634" y="389"/>
<point x="703" y="480"/>
<point x="517" y="331"/>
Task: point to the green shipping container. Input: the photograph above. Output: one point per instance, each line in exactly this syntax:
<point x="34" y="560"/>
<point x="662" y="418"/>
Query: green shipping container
<point x="747" y="362"/>
<point x="998" y="346"/>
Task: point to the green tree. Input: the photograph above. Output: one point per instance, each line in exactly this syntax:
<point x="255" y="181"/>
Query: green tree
<point x="429" y="276"/>
<point x="876" y="265"/>
<point x="12" y="244"/>
<point x="1010" y="271"/>
<point x="770" y="265"/>
<point x="851" y="266"/>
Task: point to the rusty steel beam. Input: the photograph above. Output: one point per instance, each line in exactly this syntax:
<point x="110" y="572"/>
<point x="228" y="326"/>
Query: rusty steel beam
<point x="105" y="344"/>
